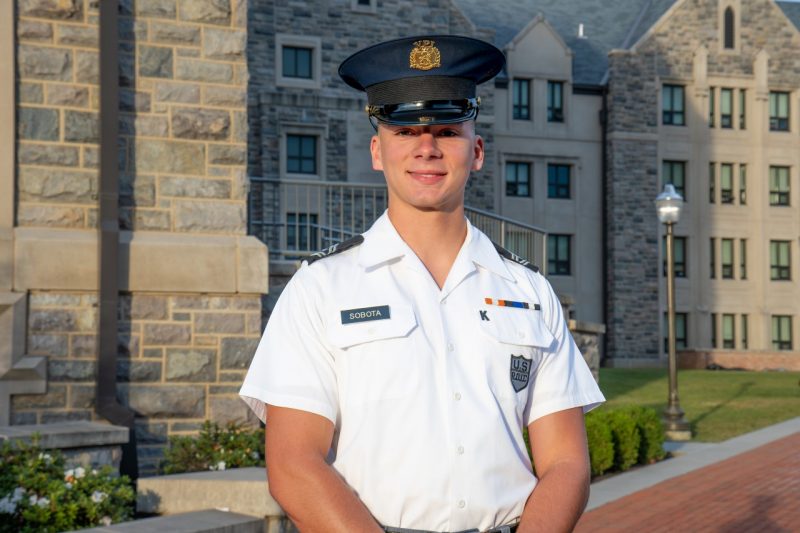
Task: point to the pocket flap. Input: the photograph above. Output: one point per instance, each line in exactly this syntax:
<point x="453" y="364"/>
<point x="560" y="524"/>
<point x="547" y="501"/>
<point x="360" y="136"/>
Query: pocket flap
<point x="399" y="324"/>
<point x="518" y="327"/>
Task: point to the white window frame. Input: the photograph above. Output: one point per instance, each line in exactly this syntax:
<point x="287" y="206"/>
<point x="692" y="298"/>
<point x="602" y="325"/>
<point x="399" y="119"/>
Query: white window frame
<point x="300" y="41"/>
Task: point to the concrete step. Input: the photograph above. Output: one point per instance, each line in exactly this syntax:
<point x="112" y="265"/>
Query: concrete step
<point x="206" y="521"/>
<point x="238" y="490"/>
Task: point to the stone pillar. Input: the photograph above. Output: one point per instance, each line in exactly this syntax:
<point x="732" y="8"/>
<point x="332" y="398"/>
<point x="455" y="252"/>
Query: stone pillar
<point x="191" y="278"/>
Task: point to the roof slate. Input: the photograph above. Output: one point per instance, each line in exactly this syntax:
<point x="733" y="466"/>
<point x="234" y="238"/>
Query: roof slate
<point x="792" y="11"/>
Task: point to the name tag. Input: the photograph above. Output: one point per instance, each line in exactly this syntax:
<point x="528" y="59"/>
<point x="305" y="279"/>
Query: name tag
<point x="365" y="314"/>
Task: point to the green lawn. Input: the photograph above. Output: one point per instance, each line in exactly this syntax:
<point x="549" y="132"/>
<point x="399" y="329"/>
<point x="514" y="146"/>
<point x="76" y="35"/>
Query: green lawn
<point x="718" y="404"/>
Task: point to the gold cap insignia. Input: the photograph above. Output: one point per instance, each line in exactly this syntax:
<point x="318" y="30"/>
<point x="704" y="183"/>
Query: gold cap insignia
<point x="425" y="56"/>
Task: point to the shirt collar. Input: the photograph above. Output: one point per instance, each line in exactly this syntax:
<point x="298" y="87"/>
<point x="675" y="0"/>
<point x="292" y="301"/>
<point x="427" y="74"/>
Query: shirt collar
<point x="382" y="243"/>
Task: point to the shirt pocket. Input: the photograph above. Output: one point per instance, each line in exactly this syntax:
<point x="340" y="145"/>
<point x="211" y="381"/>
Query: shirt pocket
<point x="377" y="359"/>
<point x="516" y="342"/>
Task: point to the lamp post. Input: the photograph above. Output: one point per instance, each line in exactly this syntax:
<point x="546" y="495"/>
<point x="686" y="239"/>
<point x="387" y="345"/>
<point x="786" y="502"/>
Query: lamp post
<point x="668" y="208"/>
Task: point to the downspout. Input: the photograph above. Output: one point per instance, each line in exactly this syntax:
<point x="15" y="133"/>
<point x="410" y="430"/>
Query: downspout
<point x="604" y="208"/>
<point x="106" y="403"/>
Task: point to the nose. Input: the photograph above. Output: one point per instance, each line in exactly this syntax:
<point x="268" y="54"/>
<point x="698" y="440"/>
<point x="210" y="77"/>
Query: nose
<point x="427" y="147"/>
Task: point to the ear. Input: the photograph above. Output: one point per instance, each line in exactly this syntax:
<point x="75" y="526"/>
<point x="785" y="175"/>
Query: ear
<point x="375" y="151"/>
<point x="477" y="163"/>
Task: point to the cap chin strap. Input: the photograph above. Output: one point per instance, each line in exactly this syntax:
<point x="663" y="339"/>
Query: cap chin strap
<point x="425" y="112"/>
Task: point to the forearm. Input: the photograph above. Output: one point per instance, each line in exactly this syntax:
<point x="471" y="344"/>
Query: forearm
<point x="557" y="501"/>
<point x="317" y="499"/>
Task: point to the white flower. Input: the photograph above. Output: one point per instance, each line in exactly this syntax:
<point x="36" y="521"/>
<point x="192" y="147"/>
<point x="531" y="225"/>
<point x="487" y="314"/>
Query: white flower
<point x="7" y="505"/>
<point x="46" y="457"/>
<point x="68" y="485"/>
<point x="69" y="473"/>
<point x="80" y="472"/>
<point x="32" y="500"/>
<point x="221" y="465"/>
<point x="106" y="521"/>
<point x="43" y="502"/>
<point x="254" y="455"/>
<point x="98" y="496"/>
<point x="19" y="492"/>
<point x="94" y="471"/>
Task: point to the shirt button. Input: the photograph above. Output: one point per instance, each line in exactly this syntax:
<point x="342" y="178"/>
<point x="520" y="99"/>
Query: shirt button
<point x="460" y="450"/>
<point x="457" y="396"/>
<point x="461" y="504"/>
<point x="450" y="346"/>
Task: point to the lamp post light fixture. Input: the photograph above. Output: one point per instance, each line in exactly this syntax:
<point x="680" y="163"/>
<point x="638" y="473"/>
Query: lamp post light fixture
<point x="668" y="208"/>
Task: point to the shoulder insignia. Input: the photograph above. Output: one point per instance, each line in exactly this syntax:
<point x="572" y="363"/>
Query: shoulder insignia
<point x="514" y="257"/>
<point x="335" y="249"/>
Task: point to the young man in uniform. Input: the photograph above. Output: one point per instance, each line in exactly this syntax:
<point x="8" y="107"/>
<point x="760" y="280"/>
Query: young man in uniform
<point x="399" y="368"/>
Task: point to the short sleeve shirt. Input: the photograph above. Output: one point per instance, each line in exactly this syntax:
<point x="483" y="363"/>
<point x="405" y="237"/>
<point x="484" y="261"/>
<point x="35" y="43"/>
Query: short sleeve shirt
<point x="428" y="389"/>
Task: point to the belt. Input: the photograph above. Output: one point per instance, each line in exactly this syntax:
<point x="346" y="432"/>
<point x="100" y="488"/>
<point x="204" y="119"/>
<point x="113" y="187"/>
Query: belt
<point x="499" y="529"/>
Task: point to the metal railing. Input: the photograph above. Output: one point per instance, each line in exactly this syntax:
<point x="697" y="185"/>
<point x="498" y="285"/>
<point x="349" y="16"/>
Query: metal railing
<point x="298" y="217"/>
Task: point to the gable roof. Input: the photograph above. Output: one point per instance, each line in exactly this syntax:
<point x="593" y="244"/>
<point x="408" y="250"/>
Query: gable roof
<point x="792" y="12"/>
<point x="607" y="25"/>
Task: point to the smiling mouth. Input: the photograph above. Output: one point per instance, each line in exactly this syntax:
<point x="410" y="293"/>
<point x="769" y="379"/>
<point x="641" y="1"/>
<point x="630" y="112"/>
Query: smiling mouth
<point x="427" y="176"/>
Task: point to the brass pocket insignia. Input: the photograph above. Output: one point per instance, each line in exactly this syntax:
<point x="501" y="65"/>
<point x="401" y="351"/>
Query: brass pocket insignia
<point x="425" y="55"/>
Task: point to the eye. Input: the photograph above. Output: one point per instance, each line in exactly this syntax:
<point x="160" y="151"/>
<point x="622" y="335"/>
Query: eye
<point x="404" y="132"/>
<point x="449" y="132"/>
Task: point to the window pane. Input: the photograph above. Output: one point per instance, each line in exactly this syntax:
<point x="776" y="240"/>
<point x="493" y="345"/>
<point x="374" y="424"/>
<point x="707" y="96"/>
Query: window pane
<point x="289" y="64"/>
<point x="742" y="108"/>
<point x="743" y="184"/>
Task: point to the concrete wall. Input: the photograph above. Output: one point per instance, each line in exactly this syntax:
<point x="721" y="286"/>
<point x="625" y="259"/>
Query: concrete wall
<point x="539" y="54"/>
<point x="190" y="310"/>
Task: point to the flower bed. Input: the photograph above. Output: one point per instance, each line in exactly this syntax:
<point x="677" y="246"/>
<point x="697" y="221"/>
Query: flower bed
<point x="37" y="492"/>
<point x="215" y="448"/>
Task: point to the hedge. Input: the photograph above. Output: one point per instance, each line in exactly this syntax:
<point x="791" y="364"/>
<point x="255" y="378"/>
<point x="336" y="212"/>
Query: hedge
<point x="622" y="437"/>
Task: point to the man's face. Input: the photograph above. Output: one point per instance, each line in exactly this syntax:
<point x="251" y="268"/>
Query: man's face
<point x="427" y="167"/>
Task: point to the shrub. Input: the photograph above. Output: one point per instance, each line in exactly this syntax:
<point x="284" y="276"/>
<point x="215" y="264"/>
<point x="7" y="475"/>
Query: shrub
<point x="651" y="431"/>
<point x="38" y="494"/>
<point x="215" y="448"/>
<point x="601" y="445"/>
<point x="625" y="435"/>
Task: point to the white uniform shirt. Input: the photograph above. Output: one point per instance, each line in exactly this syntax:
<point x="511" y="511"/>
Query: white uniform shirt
<point x="428" y="389"/>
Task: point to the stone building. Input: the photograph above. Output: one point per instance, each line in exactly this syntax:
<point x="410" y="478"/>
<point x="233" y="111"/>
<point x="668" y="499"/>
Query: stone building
<point x="191" y="280"/>
<point x="580" y="147"/>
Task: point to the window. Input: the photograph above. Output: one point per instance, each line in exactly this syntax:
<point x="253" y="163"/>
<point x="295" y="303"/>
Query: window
<point x="743" y="259"/>
<point x="726" y="251"/>
<point x="726" y="183"/>
<point x="781" y="332"/>
<point x="779" y="261"/>
<point x="301" y="154"/>
<point x="558" y="181"/>
<point x="742" y="108"/>
<point x="713" y="330"/>
<point x="367" y="6"/>
<point x="680" y="332"/>
<point x="729" y="39"/>
<point x="558" y="255"/>
<point x="744" y="332"/>
<point x="778" y="111"/>
<point x="726" y="108"/>
<point x="522" y="97"/>
<point x="672" y="105"/>
<point x="297" y="62"/>
<point x="674" y="172"/>
<point x="728" y="332"/>
<point x="678" y="256"/>
<point x="711" y="107"/>
<point x="778" y="185"/>
<point x="712" y="260"/>
<point x="712" y="179"/>
<point x="301" y="231"/>
<point x="742" y="184"/>
<point x="518" y="179"/>
<point x="555" y="101"/>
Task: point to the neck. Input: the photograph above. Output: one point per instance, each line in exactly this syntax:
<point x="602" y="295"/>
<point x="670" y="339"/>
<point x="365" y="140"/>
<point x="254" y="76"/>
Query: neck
<point x="435" y="237"/>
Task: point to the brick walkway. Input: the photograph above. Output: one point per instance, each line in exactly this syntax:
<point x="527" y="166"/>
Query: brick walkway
<point x="756" y="491"/>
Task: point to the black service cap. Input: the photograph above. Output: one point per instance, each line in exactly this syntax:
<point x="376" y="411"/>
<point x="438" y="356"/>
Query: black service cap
<point x="422" y="80"/>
